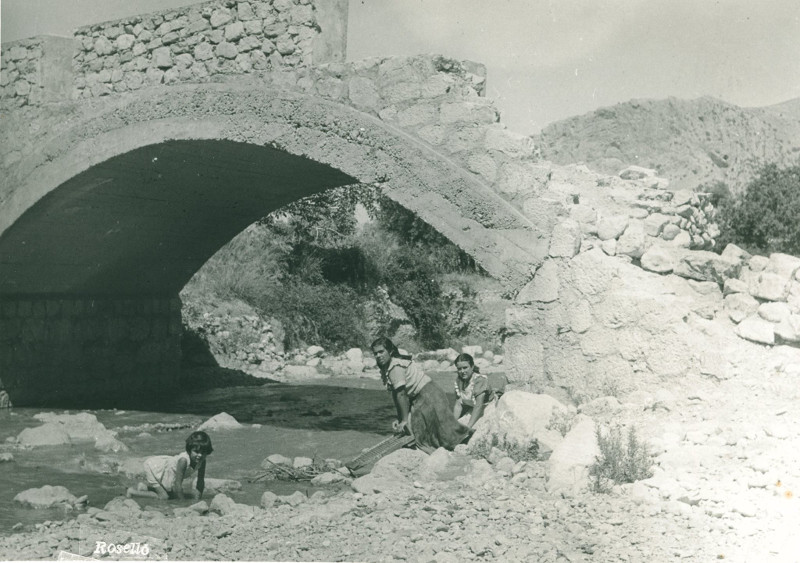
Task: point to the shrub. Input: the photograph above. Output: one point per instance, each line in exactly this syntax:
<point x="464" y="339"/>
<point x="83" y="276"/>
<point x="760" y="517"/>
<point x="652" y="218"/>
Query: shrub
<point x="620" y="461"/>
<point x="763" y="218"/>
<point x="561" y="420"/>
<point x="514" y="450"/>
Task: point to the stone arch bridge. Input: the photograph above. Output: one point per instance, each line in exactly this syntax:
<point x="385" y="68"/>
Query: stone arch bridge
<point x="134" y="150"/>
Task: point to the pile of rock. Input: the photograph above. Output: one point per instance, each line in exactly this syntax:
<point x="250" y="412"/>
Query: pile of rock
<point x="764" y="298"/>
<point x="248" y="343"/>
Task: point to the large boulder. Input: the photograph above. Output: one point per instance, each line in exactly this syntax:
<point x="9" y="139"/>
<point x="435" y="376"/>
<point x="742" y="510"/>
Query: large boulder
<point x="46" y="497"/>
<point x="568" y="466"/>
<point x="122" y="505"/>
<point x="518" y="419"/>
<point x="442" y="465"/>
<point x="393" y="473"/>
<point x="659" y="259"/>
<point x="50" y="434"/>
<point x="770" y="286"/>
<point x="739" y="306"/>
<point x="61" y="429"/>
<point x="756" y="329"/>
<point x="225" y="505"/>
<point x="609" y="228"/>
<point x="221" y="421"/>
<point x="82" y="426"/>
<point x="704" y="265"/>
<point x="784" y="265"/>
<point x="633" y="241"/>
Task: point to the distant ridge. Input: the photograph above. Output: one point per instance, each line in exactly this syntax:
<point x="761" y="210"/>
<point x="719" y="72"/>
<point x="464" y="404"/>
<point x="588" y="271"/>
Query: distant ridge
<point x="690" y="142"/>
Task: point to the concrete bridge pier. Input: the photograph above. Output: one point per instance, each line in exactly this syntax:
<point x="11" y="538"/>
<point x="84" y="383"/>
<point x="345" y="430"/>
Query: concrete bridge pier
<point x="65" y="350"/>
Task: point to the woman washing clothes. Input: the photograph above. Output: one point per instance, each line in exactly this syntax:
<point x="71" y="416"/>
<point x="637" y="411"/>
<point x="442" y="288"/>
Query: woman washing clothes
<point x="473" y="391"/>
<point x="422" y="407"/>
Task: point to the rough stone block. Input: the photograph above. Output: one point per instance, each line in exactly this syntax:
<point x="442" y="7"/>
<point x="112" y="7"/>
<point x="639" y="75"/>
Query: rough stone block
<point x="659" y="259"/>
<point x="632" y="241"/>
<point x="544" y="286"/>
<point x="756" y="329"/>
<point x="706" y="266"/>
<point x="565" y="240"/>
<point x="508" y="142"/>
<point x="769" y="286"/>
<point x="612" y="227"/>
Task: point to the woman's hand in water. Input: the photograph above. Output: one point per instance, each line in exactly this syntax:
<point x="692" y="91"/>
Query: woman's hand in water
<point x="400" y="427"/>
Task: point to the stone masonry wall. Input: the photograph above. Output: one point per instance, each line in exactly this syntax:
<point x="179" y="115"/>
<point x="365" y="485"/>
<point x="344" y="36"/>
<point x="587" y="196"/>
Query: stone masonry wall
<point x="37" y="70"/>
<point x="188" y="44"/>
<point x="68" y="348"/>
<point x="193" y="43"/>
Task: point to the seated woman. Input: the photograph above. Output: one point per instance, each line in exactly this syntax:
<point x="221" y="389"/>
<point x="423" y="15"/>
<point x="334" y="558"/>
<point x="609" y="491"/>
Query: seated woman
<point x="473" y="391"/>
<point x="422" y="408"/>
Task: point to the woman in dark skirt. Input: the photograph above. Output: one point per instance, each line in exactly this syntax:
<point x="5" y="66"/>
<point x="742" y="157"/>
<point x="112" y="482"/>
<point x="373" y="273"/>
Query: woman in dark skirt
<point x="422" y="407"/>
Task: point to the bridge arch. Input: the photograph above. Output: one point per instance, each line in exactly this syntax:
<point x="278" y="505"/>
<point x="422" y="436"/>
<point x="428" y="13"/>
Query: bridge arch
<point x="109" y="213"/>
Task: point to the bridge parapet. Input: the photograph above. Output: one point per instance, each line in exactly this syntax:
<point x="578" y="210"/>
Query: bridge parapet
<point x="189" y="44"/>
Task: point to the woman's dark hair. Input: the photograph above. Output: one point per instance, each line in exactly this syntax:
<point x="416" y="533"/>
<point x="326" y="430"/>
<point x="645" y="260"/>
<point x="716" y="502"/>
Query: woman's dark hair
<point x="199" y="440"/>
<point x="464" y="357"/>
<point x="390" y="347"/>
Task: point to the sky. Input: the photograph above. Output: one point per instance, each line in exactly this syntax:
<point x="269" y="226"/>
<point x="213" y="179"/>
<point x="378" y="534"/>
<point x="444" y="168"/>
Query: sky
<point x="546" y="59"/>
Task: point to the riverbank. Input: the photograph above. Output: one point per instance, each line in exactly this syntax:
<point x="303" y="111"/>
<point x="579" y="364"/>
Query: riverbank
<point x="726" y="472"/>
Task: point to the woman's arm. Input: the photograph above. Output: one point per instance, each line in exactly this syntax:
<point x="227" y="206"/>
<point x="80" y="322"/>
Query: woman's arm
<point x="402" y="404"/>
<point x="458" y="408"/>
<point x="201" y="479"/>
<point x="180" y="473"/>
<point x="477" y="410"/>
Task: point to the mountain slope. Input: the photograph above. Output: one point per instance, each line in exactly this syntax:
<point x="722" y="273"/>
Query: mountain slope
<point x="690" y="142"/>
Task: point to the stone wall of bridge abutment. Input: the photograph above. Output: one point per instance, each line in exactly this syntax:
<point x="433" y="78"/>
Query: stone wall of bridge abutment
<point x="79" y="350"/>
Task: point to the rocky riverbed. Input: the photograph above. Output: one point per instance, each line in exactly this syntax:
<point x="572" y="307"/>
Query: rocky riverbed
<point x="725" y="476"/>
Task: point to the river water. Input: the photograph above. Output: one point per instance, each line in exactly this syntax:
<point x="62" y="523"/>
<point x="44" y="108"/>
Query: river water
<point x="332" y="418"/>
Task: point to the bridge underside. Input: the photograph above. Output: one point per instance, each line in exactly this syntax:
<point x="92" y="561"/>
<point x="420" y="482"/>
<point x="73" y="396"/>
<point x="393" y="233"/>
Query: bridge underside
<point x="89" y="312"/>
<point x="143" y="223"/>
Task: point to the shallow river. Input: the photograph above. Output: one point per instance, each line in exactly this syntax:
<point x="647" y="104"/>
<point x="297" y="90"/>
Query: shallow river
<point x="333" y="418"/>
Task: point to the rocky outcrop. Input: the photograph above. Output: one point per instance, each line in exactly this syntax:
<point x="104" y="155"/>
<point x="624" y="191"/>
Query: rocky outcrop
<point x="643" y="299"/>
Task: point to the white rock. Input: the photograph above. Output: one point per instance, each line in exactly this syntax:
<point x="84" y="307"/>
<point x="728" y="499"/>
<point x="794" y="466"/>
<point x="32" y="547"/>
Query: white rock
<point x="355" y="356"/>
<point x="769" y="286"/>
<point x="783" y="264"/>
<point x="519" y="417"/>
<point x="632" y="241"/>
<point x="276" y="459"/>
<point x="300" y="462"/>
<point x="544" y="286"/>
<point x="314" y="350"/>
<point x="474" y="351"/>
<point x="221" y="421"/>
<point x="45" y="497"/>
<point x="756" y="329"/>
<point x="50" y="434"/>
<point x="268" y="499"/>
<point x="568" y="466"/>
<point x="565" y="240"/>
<point x="739" y="306"/>
<point x="612" y="227"/>
<point x="774" y="312"/>
<point x="659" y="259"/>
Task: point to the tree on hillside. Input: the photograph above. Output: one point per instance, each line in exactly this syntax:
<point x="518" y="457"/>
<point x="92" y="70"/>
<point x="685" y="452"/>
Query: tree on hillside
<point x="764" y="217"/>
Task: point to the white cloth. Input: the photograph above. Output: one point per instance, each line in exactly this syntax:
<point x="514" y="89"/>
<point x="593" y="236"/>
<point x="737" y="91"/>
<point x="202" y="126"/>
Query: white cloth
<point x="162" y="469"/>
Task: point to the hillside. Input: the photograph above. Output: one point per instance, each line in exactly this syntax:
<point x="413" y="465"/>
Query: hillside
<point x="690" y="142"/>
